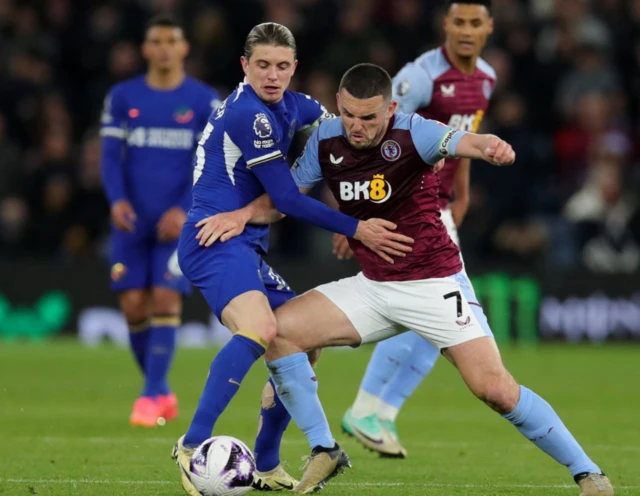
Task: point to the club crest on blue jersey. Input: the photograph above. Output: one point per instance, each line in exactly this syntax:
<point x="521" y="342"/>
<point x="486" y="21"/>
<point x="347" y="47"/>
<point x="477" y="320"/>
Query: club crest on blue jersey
<point x="262" y="126"/>
<point x="118" y="271"/>
<point x="183" y="115"/>
<point x="391" y="150"/>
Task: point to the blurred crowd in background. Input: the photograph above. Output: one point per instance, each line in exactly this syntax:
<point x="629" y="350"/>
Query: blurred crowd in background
<point x="567" y="98"/>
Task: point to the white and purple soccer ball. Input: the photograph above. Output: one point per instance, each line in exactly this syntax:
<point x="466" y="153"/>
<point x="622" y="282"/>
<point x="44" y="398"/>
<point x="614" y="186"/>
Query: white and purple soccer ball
<point x="222" y="466"/>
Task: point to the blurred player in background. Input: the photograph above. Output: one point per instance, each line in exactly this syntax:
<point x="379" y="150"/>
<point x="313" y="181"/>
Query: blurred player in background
<point x="150" y="127"/>
<point x="240" y="156"/>
<point x="451" y="84"/>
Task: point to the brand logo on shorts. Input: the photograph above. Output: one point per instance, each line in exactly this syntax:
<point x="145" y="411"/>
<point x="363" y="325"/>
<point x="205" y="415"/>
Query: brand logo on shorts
<point x="464" y="323"/>
<point x="391" y="150"/>
<point x="118" y="271"/>
<point x="378" y="190"/>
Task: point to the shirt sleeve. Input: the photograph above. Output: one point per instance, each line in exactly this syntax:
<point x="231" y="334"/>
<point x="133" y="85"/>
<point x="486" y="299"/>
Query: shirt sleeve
<point x="434" y="140"/>
<point x="311" y="113"/>
<point x="113" y="130"/>
<point x="252" y="131"/>
<point x="412" y="88"/>
<point x="306" y="169"/>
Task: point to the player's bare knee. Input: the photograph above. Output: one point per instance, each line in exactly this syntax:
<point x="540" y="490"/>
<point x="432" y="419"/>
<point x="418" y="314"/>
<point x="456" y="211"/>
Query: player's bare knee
<point x="166" y="302"/>
<point x="267" y="328"/>
<point x="499" y="391"/>
<point x="135" y="306"/>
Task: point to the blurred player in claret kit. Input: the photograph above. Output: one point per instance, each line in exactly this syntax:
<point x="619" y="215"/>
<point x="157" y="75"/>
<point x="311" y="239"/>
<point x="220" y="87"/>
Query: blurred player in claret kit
<point x="380" y="163"/>
<point x="150" y="127"/>
<point x="240" y="156"/>
<point x="451" y="84"/>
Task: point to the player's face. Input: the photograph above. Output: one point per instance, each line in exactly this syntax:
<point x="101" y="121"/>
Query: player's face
<point x="269" y="71"/>
<point x="467" y="27"/>
<point x="364" y="120"/>
<point x="164" y="48"/>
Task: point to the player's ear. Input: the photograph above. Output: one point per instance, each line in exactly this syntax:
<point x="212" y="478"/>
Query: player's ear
<point x="338" y="101"/>
<point x="186" y="48"/>
<point x="490" y="25"/>
<point x="295" y="66"/>
<point x="393" y="105"/>
<point x="245" y="65"/>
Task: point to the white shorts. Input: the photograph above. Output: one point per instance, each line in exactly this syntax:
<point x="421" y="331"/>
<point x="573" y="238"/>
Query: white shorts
<point x="439" y="309"/>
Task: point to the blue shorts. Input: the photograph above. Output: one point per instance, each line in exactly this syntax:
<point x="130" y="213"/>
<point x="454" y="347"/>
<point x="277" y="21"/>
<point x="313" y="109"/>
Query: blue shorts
<point x="140" y="261"/>
<point x="226" y="270"/>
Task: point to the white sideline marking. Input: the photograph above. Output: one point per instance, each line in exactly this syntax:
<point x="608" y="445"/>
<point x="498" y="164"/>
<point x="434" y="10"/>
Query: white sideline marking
<point x="341" y="484"/>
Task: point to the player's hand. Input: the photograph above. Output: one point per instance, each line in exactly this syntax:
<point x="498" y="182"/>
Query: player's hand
<point x="123" y="216"/>
<point x="170" y="224"/>
<point x="499" y="152"/>
<point x="222" y="226"/>
<point x="378" y="236"/>
<point x="437" y="167"/>
<point x="341" y="248"/>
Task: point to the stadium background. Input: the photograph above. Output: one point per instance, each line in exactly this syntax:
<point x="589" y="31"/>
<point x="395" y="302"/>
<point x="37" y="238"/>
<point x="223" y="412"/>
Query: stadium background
<point x="554" y="242"/>
<point x="552" y="245"/>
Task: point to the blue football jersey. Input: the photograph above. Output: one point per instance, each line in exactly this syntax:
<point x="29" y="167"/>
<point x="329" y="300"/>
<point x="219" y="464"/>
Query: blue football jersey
<point x="244" y="132"/>
<point x="149" y="138"/>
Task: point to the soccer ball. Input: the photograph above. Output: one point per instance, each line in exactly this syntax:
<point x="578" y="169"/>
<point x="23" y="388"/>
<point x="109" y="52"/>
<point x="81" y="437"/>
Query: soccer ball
<point x="222" y="466"/>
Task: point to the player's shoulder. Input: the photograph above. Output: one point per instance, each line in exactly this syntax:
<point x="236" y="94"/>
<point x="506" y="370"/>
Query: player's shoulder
<point x="301" y="99"/>
<point x="484" y="67"/>
<point x="199" y="86"/>
<point x="128" y="86"/>
<point x="330" y="128"/>
<point x="433" y="62"/>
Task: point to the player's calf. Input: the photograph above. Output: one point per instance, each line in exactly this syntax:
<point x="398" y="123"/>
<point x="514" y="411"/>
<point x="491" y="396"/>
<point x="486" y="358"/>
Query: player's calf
<point x="481" y="367"/>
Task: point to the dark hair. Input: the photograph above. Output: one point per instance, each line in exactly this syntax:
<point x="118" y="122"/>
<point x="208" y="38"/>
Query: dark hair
<point x="486" y="3"/>
<point x="269" y="33"/>
<point x="163" y="21"/>
<point x="366" y="81"/>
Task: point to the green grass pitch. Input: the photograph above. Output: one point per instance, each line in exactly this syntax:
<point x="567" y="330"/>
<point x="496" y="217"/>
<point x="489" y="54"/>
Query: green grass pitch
<point x="64" y="431"/>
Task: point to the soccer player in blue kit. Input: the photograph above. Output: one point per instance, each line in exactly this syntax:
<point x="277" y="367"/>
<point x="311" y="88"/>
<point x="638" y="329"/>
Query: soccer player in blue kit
<point x="150" y="127"/>
<point x="240" y="156"/>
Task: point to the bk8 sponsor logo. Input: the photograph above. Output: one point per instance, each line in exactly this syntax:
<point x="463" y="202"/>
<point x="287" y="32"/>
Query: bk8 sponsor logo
<point x="377" y="190"/>
<point x="469" y="122"/>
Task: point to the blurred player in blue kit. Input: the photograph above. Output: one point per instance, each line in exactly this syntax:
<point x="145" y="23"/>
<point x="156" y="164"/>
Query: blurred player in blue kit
<point x="150" y="128"/>
<point x="241" y="156"/>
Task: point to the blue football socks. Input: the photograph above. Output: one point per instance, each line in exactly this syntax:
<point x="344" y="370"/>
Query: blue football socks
<point x="160" y="352"/>
<point x="138" y="341"/>
<point x="274" y="419"/>
<point x="227" y="371"/>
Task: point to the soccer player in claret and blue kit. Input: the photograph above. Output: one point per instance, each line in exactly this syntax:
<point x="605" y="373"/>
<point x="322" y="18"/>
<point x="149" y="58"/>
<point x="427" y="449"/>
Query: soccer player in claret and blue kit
<point x="451" y="84"/>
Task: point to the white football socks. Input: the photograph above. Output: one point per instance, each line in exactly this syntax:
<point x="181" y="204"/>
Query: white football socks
<point x="366" y="404"/>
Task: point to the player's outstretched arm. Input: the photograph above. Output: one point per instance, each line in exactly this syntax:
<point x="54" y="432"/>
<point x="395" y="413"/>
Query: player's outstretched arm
<point x="486" y="147"/>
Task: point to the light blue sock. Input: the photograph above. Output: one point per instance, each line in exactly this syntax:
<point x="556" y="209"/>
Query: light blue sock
<point x="387" y="357"/>
<point x="412" y="371"/>
<point x="297" y="387"/>
<point x="540" y="424"/>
